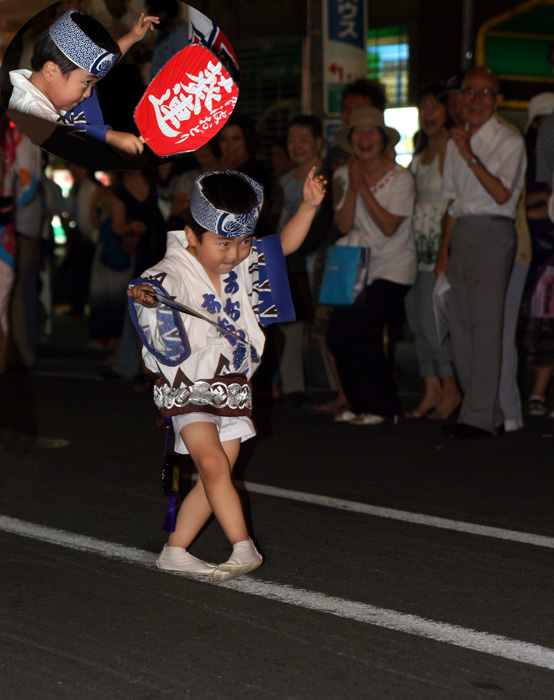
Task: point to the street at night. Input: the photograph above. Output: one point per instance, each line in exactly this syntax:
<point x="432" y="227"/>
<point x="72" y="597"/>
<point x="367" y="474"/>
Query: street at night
<point x="399" y="563"/>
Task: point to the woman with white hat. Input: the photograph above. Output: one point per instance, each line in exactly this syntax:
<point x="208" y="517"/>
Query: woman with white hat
<point x="374" y="199"/>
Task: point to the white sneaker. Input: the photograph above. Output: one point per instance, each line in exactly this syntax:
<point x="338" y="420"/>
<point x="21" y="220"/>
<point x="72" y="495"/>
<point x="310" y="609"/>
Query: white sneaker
<point x="344" y="416"/>
<point x="244" y="559"/>
<point x="511" y="426"/>
<point x="178" y="559"/>
<point x="367" y="419"/>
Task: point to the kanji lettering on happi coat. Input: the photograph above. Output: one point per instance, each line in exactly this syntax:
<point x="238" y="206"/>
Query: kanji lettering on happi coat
<point x="187" y="103"/>
<point x="231" y="283"/>
<point x="232" y="309"/>
<point x="211" y="304"/>
<point x="225" y="323"/>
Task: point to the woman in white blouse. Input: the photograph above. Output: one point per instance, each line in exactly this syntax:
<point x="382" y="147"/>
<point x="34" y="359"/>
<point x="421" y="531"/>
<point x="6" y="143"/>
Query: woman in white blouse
<point x="373" y="206"/>
<point x="441" y="395"/>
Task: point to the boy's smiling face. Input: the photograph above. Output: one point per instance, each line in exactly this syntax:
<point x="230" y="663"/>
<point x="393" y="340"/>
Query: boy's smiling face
<point x="66" y="92"/>
<point x="218" y="255"/>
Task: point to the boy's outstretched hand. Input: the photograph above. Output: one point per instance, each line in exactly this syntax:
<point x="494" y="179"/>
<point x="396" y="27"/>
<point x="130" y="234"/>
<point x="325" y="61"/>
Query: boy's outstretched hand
<point x="124" y="141"/>
<point x="138" y="31"/>
<point x="143" y="294"/>
<point x="314" y="188"/>
<point x="296" y="229"/>
<point x="142" y="26"/>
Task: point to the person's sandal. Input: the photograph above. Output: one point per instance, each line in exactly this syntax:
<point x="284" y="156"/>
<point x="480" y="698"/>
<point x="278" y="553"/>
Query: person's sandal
<point x="536" y="406"/>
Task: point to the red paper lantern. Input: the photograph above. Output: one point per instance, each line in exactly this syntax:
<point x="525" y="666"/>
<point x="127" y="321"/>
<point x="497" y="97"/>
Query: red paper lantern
<point x="187" y="103"/>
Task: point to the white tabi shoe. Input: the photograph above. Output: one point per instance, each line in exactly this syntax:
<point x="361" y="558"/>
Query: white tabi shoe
<point x="244" y="559"/>
<point x="178" y="559"/>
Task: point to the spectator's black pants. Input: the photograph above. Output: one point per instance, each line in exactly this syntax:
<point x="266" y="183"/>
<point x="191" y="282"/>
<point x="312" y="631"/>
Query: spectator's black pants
<point x="355" y="338"/>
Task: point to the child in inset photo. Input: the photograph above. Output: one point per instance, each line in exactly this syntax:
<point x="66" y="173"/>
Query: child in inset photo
<point x="68" y="59"/>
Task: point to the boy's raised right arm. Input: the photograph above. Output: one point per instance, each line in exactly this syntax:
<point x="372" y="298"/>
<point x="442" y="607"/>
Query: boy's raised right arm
<point x="138" y="31"/>
<point x="125" y="141"/>
<point x="296" y="230"/>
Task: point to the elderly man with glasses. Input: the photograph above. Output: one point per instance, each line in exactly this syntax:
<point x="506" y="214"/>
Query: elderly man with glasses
<point x="483" y="177"/>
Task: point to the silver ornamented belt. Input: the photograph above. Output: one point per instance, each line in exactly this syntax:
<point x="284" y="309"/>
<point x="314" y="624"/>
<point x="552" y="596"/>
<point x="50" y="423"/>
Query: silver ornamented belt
<point x="226" y="395"/>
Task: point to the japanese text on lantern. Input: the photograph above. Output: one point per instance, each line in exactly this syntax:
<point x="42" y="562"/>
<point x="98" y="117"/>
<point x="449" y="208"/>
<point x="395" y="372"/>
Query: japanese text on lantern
<point x="202" y="91"/>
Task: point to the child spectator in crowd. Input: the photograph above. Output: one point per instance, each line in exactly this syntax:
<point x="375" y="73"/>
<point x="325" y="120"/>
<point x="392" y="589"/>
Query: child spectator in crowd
<point x="304" y="144"/>
<point x="280" y="164"/>
<point x="68" y="59"/>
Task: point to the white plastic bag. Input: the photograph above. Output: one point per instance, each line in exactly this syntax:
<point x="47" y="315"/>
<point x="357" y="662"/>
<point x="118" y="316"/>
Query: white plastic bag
<point x="440" y="306"/>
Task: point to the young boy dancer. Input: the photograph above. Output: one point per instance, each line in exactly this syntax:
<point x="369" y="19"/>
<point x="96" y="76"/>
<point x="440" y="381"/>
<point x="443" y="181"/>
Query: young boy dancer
<point x="218" y="269"/>
<point x="68" y="59"/>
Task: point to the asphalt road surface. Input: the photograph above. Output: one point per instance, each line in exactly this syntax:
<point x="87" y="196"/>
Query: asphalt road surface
<point x="399" y="564"/>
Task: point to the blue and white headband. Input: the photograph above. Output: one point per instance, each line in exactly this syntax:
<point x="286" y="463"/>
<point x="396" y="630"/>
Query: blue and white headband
<point x="222" y="222"/>
<point x="79" y="48"/>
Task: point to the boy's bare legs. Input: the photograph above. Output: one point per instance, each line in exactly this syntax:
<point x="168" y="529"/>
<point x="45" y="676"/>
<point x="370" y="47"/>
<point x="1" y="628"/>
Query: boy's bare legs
<point x="214" y="491"/>
<point x="215" y="462"/>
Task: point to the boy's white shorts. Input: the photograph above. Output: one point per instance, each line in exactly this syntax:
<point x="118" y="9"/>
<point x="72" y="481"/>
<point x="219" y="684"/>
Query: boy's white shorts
<point x="229" y="427"/>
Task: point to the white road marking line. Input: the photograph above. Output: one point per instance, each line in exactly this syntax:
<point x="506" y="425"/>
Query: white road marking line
<point x="377" y="511"/>
<point x="496" y="645"/>
<point x="402" y="515"/>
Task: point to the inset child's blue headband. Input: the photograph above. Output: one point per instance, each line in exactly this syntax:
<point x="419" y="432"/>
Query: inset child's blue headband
<point x="222" y="222"/>
<point x="79" y="48"/>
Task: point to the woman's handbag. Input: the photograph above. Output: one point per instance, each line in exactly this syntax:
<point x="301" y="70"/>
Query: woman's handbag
<point x="112" y="253"/>
<point x="344" y="275"/>
<point x="541" y="304"/>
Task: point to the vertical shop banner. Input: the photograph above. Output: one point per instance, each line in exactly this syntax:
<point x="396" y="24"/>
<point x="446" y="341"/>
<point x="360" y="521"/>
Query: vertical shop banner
<point x="344" y="48"/>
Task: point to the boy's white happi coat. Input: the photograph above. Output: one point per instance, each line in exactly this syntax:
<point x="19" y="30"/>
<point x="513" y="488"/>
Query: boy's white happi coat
<point x="184" y="349"/>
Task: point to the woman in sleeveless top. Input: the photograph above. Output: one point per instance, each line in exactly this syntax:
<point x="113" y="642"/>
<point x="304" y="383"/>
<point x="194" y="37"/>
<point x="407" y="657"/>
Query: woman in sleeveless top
<point x="442" y="395"/>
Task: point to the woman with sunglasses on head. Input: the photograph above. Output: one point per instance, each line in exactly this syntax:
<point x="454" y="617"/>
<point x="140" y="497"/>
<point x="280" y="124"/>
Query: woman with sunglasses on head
<point x="442" y="395"/>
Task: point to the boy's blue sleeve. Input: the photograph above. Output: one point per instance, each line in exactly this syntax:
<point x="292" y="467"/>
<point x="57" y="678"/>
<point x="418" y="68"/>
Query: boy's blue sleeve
<point x="275" y="300"/>
<point x="171" y="346"/>
<point x="91" y="122"/>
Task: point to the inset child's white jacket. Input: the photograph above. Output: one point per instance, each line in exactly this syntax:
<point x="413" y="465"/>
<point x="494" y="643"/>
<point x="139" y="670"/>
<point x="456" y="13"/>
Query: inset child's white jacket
<point x="184" y="349"/>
